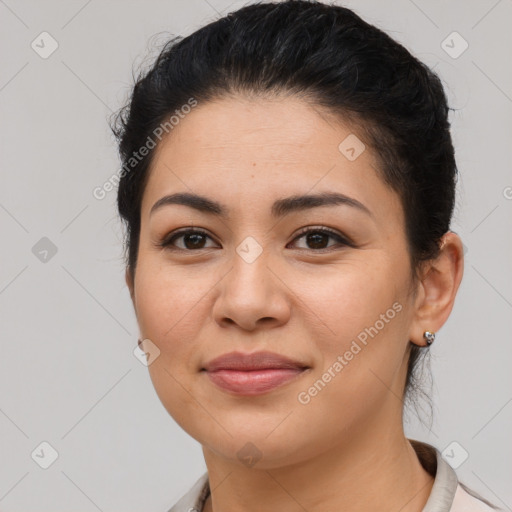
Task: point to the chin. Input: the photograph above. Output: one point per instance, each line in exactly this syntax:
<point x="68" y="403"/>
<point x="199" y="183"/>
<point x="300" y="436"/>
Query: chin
<point x="257" y="445"/>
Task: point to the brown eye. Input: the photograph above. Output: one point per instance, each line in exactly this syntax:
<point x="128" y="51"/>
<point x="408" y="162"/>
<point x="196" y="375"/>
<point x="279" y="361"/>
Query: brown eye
<point x="319" y="238"/>
<point x="188" y="240"/>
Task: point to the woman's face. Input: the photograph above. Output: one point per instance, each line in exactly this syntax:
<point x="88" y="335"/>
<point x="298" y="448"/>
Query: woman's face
<point x="338" y="304"/>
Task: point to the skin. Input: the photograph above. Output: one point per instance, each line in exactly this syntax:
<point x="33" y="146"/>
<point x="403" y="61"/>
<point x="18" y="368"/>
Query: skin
<point x="346" y="448"/>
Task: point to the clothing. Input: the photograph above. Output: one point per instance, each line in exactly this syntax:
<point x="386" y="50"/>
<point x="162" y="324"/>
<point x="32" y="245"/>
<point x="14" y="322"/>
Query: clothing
<point x="447" y="494"/>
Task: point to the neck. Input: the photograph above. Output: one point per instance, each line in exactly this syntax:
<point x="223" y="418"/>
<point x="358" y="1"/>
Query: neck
<point x="376" y="469"/>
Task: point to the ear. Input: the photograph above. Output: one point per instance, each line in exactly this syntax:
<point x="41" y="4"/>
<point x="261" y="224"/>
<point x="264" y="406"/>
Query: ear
<point x="440" y="280"/>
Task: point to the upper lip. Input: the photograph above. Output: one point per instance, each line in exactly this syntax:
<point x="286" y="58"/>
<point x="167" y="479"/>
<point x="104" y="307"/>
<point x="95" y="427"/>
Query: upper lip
<point x="255" y="361"/>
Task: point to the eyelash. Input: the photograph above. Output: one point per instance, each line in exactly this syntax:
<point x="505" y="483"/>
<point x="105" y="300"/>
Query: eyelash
<point x="342" y="241"/>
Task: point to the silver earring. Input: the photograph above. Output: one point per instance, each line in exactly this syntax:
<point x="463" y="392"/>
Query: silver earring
<point x="429" y="337"/>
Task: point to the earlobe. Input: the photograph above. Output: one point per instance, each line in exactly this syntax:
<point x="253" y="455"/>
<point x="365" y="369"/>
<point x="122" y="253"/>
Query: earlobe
<point x="439" y="284"/>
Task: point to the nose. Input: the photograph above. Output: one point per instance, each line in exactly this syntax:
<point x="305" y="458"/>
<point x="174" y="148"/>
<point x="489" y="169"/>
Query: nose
<point x="252" y="296"/>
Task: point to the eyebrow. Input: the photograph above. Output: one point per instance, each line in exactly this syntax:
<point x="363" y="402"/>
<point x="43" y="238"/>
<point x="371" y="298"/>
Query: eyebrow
<point x="280" y="208"/>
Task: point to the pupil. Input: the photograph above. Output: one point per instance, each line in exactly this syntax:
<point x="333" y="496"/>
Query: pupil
<point x="195" y="240"/>
<point x="315" y="240"/>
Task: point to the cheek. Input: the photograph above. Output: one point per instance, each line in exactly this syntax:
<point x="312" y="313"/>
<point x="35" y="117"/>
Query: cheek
<point x="169" y="303"/>
<point x="168" y="310"/>
<point x="354" y="298"/>
<point x="363" y="310"/>
<point x="359" y="366"/>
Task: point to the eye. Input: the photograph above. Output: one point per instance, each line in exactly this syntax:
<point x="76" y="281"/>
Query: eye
<point x="190" y="239"/>
<point x="318" y="239"/>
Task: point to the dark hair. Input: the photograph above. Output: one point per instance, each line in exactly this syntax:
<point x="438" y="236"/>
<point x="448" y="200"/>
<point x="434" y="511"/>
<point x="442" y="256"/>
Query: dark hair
<point x="333" y="59"/>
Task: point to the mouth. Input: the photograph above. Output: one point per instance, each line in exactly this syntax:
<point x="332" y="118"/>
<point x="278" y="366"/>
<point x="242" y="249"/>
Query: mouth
<point x="252" y="374"/>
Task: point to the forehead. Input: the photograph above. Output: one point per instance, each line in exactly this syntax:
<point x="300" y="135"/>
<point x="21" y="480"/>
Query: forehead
<point x="259" y="127"/>
<point x="239" y="149"/>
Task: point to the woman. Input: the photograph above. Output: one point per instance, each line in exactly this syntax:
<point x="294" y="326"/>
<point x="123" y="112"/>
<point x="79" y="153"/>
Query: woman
<point x="288" y="183"/>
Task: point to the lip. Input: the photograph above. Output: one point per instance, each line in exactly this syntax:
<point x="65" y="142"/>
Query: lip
<point x="252" y="374"/>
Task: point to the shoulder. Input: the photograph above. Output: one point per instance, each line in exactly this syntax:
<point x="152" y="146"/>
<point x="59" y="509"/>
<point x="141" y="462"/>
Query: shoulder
<point x="465" y="501"/>
<point x="193" y="500"/>
<point x="447" y="494"/>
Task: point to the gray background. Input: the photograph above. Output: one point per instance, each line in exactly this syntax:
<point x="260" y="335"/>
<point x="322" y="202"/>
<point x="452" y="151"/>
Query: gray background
<point x="68" y="375"/>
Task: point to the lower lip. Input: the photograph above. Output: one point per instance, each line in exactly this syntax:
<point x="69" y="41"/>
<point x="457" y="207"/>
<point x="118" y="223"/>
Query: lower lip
<point x="253" y="382"/>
